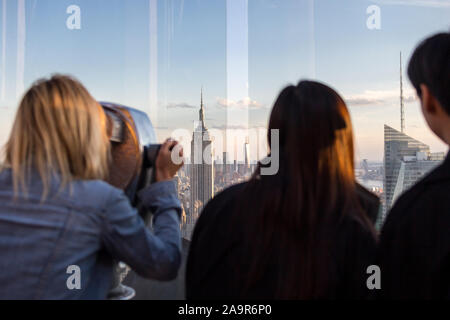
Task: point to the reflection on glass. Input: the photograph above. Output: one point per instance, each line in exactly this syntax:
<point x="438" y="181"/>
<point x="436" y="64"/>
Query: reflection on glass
<point x="156" y="55"/>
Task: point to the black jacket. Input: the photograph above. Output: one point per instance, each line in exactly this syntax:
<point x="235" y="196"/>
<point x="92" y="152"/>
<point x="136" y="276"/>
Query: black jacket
<point x="414" y="251"/>
<point x="216" y="254"/>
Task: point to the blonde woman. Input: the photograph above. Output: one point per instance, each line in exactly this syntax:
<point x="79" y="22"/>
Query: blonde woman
<point x="58" y="218"/>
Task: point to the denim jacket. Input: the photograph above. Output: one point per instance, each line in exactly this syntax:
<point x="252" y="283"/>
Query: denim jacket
<point x="76" y="233"/>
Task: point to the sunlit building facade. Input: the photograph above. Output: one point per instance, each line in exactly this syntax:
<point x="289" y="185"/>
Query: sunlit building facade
<point x="202" y="170"/>
<point x="406" y="160"/>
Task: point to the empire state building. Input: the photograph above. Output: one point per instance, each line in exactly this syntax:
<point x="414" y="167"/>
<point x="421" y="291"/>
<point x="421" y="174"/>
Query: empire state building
<point x="202" y="166"/>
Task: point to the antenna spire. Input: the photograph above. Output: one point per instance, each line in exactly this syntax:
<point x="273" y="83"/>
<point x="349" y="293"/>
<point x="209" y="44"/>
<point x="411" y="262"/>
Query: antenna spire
<point x="202" y="110"/>
<point x="402" y="104"/>
<point x="201" y="97"/>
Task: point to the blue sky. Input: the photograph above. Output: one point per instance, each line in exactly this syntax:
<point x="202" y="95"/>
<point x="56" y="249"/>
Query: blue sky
<point x="287" y="40"/>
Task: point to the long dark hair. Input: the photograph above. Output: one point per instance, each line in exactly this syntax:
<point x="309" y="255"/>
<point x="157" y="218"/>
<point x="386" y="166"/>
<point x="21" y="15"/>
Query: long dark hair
<point x="299" y="209"/>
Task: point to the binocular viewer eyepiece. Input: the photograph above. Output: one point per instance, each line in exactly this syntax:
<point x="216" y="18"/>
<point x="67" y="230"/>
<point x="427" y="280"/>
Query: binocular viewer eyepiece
<point x="151" y="153"/>
<point x="133" y="150"/>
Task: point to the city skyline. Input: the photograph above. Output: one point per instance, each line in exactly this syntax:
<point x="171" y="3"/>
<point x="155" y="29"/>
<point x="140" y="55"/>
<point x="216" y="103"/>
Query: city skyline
<point x="286" y="41"/>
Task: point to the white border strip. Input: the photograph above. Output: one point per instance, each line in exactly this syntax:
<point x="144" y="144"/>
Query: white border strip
<point x="21" y="41"/>
<point x="153" y="71"/>
<point x="3" y="87"/>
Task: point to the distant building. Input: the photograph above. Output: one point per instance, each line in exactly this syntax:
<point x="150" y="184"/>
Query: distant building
<point x="247" y="155"/>
<point x="411" y="170"/>
<point x="437" y="156"/>
<point x="178" y="185"/>
<point x="202" y="169"/>
<point x="225" y="170"/>
<point x="406" y="160"/>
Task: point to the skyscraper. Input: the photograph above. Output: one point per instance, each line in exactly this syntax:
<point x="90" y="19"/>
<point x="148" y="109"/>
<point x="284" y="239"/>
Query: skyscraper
<point x="225" y="168"/>
<point x="247" y="155"/>
<point x="400" y="150"/>
<point x="406" y="160"/>
<point x="202" y="167"/>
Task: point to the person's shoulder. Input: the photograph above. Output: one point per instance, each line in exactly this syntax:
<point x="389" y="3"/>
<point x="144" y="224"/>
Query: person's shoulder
<point x="5" y="173"/>
<point x="354" y="227"/>
<point x="5" y="177"/>
<point x="354" y="239"/>
<point x="228" y="194"/>
<point x="426" y="193"/>
<point x="221" y="204"/>
<point x="425" y="200"/>
<point x="98" y="188"/>
<point x="96" y="194"/>
<point x="369" y="201"/>
<point x="368" y="197"/>
<point x="80" y="195"/>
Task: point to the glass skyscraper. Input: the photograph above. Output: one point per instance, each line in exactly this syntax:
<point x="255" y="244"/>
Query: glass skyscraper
<point x="406" y="160"/>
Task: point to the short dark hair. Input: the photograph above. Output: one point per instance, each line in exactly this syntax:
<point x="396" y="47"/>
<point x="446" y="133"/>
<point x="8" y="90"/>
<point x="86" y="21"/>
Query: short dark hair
<point x="430" y="65"/>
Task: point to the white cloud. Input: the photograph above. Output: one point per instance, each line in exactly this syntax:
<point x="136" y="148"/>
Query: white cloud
<point x="419" y="3"/>
<point x="380" y="97"/>
<point x="230" y="127"/>
<point x="182" y="105"/>
<point x="241" y="104"/>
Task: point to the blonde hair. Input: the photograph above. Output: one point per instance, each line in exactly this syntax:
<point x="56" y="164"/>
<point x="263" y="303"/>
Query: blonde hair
<point x="60" y="130"/>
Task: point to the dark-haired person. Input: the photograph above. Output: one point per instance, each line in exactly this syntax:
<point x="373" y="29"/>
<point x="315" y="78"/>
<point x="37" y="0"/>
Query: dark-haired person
<point x="302" y="233"/>
<point x="414" y="253"/>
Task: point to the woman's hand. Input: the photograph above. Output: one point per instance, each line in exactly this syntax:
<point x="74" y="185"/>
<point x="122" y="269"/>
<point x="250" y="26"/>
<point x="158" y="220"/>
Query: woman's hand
<point x="169" y="160"/>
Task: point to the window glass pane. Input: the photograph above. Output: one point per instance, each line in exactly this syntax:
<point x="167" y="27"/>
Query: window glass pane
<point x="167" y="57"/>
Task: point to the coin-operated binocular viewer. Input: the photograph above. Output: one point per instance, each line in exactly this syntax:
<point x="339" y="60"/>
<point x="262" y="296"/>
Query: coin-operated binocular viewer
<point x="134" y="152"/>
